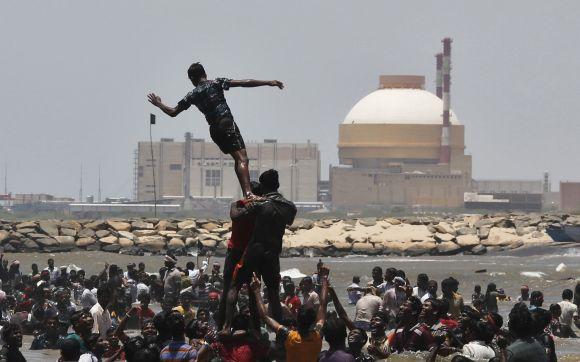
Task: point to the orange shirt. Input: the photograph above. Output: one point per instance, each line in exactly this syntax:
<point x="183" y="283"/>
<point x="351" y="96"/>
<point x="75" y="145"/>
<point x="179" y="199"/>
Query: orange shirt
<point x="300" y="349"/>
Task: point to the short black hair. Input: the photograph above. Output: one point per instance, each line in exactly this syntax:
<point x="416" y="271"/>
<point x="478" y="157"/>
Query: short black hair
<point x="305" y="318"/>
<point x="269" y="180"/>
<point x="520" y="321"/>
<point x="555" y="307"/>
<point x="334" y="331"/>
<point x="70" y="349"/>
<point x="567" y="294"/>
<point x="256" y="188"/>
<point x="196" y="71"/>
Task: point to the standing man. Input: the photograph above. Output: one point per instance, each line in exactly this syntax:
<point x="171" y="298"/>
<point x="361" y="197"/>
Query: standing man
<point x="101" y="316"/>
<point x="208" y="97"/>
<point x="272" y="213"/>
<point x="172" y="278"/>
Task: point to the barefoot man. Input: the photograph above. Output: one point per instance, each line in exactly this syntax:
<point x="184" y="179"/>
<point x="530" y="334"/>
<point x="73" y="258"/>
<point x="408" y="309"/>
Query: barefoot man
<point x="208" y="97"/>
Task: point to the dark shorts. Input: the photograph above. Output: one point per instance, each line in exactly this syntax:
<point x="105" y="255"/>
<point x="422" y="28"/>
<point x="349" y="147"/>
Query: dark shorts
<point x="233" y="256"/>
<point x="264" y="263"/>
<point x="226" y="134"/>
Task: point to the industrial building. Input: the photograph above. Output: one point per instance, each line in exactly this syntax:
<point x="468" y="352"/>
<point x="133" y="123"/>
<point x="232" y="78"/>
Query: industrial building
<point x="570" y="196"/>
<point x="402" y="146"/>
<point x="198" y="169"/>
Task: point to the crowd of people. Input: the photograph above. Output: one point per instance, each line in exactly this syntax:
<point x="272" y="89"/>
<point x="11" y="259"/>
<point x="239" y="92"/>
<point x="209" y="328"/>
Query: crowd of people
<point x="207" y="315"/>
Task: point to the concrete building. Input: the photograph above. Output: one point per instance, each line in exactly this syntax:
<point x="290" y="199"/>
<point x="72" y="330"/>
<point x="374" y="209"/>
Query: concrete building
<point x="392" y="153"/>
<point x="197" y="168"/>
<point x="508" y="186"/>
<point x="570" y="196"/>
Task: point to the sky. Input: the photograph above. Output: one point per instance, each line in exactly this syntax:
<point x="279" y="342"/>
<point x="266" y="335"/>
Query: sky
<point x="74" y="76"/>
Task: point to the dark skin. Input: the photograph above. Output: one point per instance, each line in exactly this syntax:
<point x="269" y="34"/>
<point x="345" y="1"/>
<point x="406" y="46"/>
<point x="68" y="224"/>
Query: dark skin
<point x="240" y="157"/>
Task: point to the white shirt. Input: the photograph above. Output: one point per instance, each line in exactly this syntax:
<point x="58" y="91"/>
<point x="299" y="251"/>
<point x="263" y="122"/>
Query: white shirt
<point x="311" y="299"/>
<point x="419" y="293"/>
<point x="88" y="357"/>
<point x="426" y="296"/>
<point x="88" y="299"/>
<point x="477" y="350"/>
<point x="54" y="273"/>
<point x="569" y="311"/>
<point x="102" y="320"/>
<point x="367" y="307"/>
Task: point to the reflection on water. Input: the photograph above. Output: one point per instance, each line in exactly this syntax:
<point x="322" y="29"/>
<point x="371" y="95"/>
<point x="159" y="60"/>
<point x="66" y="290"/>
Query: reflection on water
<point x="535" y="268"/>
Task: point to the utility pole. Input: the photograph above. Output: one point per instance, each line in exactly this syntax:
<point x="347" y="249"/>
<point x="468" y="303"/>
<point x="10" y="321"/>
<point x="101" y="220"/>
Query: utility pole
<point x="151" y="123"/>
<point x="81" y="188"/>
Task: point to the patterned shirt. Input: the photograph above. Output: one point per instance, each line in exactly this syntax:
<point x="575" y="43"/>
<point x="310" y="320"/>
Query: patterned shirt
<point x="209" y="98"/>
<point x="178" y="352"/>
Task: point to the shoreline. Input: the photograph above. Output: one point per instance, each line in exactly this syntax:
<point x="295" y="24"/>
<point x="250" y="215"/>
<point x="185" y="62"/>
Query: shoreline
<point x="470" y="234"/>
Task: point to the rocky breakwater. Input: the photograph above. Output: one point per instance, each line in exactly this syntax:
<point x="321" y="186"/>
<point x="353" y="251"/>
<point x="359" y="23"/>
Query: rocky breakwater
<point x="473" y="234"/>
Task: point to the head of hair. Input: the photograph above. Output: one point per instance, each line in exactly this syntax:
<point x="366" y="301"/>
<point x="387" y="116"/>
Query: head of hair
<point x="196" y="71"/>
<point x="305" y="319"/>
<point x="175" y="323"/>
<point x="241" y="322"/>
<point x="8" y="331"/>
<point x="422" y="278"/>
<point x="269" y="181"/>
<point x="400" y="273"/>
<point x="415" y="304"/>
<point x="256" y="188"/>
<point x="555" y="308"/>
<point x="477" y="288"/>
<point x="189" y="265"/>
<point x="520" y="321"/>
<point x="536" y="298"/>
<point x="70" y="349"/>
<point x="334" y="331"/>
<point x="567" y="294"/>
<point x="356" y="279"/>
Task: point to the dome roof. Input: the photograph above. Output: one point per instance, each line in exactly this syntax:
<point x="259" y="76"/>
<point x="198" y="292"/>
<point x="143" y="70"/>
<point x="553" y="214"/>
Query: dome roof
<point x="398" y="106"/>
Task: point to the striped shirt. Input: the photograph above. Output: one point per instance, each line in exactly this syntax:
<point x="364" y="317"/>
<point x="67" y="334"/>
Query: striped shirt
<point x="178" y="352"/>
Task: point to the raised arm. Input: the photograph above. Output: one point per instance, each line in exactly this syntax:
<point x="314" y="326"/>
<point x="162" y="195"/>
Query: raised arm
<point x="270" y="322"/>
<point x="170" y="111"/>
<point x="249" y="83"/>
<point x="321" y="316"/>
<point x="340" y="310"/>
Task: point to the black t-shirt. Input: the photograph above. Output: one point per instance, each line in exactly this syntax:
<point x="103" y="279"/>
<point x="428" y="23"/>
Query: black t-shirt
<point x="209" y="98"/>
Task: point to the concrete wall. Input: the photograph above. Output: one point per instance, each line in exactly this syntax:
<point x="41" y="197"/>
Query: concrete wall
<point x="570" y="196"/>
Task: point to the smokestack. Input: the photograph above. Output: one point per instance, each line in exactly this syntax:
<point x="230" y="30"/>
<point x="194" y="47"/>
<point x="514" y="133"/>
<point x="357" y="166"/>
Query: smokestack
<point x="439" y="75"/>
<point x="187" y="166"/>
<point x="445" y="153"/>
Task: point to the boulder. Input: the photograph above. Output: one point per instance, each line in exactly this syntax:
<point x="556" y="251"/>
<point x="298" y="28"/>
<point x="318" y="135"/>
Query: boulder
<point x="467" y="231"/>
<point x="420" y="248"/>
<point x="363" y="248"/>
<point x="371" y="221"/>
<point x="125" y="243"/>
<point x="448" y="248"/>
<point x="7" y="248"/>
<point x="109" y="240"/>
<point x="342" y="246"/>
<point x="26" y="225"/>
<point x="220" y="231"/>
<point x="82" y="242"/>
<point x="112" y="248"/>
<point x="477" y="250"/>
<point x="119" y="225"/>
<point x="126" y="235"/>
<point x="175" y="244"/>
<point x="209" y="237"/>
<point x="47" y="242"/>
<point x="467" y="240"/>
<point x="210" y="226"/>
<point x="183" y="224"/>
<point x="102" y="233"/>
<point x="96" y="225"/>
<point x="323" y="223"/>
<point x="166" y="225"/>
<point x="444" y="228"/>
<point x="393" y="221"/>
<point x="36" y="236"/>
<point x="26" y="231"/>
<point x="86" y="233"/>
<point x="444" y="237"/>
<point x="49" y="227"/>
<point x="94" y="247"/>
<point x="516" y="244"/>
<point x="144" y="232"/>
<point x="141" y="225"/>
<point x="4" y="235"/>
<point x="403" y="232"/>
<point x="30" y="245"/>
<point x="209" y="243"/>
<point x="151" y="243"/>
<point x="500" y="237"/>
<point x="483" y="232"/>
<point x="301" y="224"/>
<point x="191" y="242"/>
<point x="16" y="243"/>
<point x="65" y="240"/>
<point x="70" y="224"/>
<point x="68" y="232"/>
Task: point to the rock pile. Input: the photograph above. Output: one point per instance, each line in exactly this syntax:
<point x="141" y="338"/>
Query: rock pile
<point x="413" y="236"/>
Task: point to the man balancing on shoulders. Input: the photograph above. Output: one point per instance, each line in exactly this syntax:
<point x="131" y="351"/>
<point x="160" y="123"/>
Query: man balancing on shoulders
<point x="208" y="97"/>
<point x="272" y="213"/>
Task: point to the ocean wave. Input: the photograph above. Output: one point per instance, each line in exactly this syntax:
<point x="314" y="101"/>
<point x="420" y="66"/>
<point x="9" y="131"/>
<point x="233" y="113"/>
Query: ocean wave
<point x="533" y="274"/>
<point x="293" y="273"/>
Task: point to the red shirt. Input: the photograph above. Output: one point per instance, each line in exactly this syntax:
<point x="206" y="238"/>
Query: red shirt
<point x="240" y="351"/>
<point x="293" y="303"/>
<point x="241" y="231"/>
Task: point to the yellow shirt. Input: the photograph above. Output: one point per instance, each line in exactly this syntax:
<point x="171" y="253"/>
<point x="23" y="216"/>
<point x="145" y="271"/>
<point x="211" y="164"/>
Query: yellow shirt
<point x="188" y="315"/>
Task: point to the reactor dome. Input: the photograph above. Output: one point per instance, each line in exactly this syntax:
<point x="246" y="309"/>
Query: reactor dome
<point x="400" y="123"/>
<point x="398" y="106"/>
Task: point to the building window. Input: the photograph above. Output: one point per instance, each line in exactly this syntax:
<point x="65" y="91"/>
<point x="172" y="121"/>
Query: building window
<point x="213" y="177"/>
<point x="175" y="167"/>
<point x="254" y="175"/>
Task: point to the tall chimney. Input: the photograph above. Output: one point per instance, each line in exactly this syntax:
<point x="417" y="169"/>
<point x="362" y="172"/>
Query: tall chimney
<point x="187" y="166"/>
<point x="439" y="75"/>
<point x="445" y="153"/>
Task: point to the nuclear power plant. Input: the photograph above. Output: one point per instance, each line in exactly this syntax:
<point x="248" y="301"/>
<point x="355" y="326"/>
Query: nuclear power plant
<point x="401" y="145"/>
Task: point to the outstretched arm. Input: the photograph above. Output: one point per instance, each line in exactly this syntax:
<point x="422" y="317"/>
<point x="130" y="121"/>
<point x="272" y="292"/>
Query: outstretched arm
<point x="340" y="310"/>
<point x="170" y="111"/>
<point x="248" y="83"/>
<point x="321" y="316"/>
<point x="270" y="322"/>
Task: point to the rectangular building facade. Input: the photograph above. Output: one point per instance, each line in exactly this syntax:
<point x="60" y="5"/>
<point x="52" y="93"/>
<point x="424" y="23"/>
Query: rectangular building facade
<point x="570" y="196"/>
<point x="209" y="173"/>
<point x="508" y="186"/>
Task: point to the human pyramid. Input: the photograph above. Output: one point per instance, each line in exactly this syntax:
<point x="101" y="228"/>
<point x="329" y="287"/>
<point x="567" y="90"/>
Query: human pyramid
<point x="259" y="220"/>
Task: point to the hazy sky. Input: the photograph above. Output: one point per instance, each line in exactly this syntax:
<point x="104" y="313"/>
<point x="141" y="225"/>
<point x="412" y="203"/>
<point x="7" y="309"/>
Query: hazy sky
<point x="74" y="77"/>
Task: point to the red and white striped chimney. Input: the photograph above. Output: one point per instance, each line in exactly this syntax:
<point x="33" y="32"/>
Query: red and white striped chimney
<point x="445" y="152"/>
<point x="439" y="75"/>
